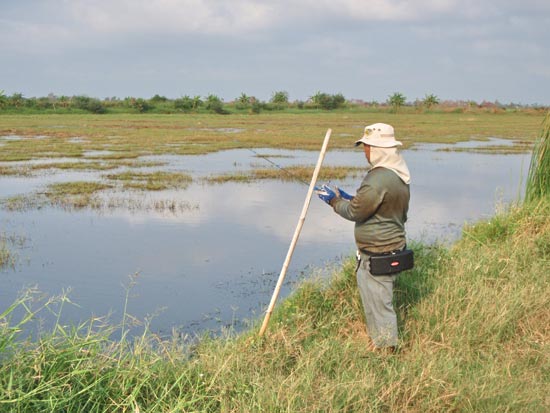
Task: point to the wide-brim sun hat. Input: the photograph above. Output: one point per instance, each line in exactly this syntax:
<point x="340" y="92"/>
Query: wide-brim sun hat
<point x="380" y="135"/>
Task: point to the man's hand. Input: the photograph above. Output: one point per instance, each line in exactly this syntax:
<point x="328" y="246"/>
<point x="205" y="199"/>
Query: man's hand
<point x="326" y="193"/>
<point x="341" y="194"/>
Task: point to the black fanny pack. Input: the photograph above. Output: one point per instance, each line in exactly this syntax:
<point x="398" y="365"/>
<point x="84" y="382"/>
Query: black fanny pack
<point x="391" y="262"/>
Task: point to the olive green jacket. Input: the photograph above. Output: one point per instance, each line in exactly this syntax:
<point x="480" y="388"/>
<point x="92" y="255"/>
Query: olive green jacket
<point x="379" y="210"/>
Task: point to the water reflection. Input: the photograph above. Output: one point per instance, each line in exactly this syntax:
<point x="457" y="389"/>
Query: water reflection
<point x="218" y="263"/>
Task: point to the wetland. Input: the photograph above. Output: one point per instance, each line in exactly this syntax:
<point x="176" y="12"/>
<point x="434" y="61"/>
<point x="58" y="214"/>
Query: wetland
<point x="181" y="208"/>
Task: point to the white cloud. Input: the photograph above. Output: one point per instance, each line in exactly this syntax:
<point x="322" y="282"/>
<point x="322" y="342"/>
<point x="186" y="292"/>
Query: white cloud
<point x="172" y="16"/>
<point x="244" y="16"/>
<point x="39" y="38"/>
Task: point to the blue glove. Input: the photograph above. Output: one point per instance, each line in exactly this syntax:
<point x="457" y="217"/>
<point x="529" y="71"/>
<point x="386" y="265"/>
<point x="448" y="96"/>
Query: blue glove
<point x="344" y="195"/>
<point x="326" y="193"/>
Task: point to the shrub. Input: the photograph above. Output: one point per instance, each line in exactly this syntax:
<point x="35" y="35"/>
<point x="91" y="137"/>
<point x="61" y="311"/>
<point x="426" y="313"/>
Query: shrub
<point x="84" y="103"/>
<point x="328" y="102"/>
<point x="279" y="100"/>
<point x="214" y="104"/>
<point x="185" y="103"/>
<point x="158" y="99"/>
<point x="139" y="104"/>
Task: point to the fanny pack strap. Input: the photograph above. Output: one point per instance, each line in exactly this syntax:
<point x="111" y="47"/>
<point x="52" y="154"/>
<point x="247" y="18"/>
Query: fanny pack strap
<point x="381" y="254"/>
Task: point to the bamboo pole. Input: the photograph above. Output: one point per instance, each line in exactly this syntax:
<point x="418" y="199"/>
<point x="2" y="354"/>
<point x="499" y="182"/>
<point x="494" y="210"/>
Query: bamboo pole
<point x="296" y="233"/>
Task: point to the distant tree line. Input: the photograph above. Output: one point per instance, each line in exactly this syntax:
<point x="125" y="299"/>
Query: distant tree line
<point x="243" y="103"/>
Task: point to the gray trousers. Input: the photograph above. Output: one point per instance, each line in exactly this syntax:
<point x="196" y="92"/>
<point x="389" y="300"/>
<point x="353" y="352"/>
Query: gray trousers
<point x="376" y="294"/>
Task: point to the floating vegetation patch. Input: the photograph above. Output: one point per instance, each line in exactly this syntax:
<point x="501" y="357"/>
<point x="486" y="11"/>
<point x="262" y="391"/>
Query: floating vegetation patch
<point x="8" y="257"/>
<point x="138" y="164"/>
<point x="154" y="181"/>
<point x="74" y="195"/>
<point x="115" y="155"/>
<point x="14" y="171"/>
<point x="22" y="202"/>
<point x="520" y="147"/>
<point x="14" y="156"/>
<point x="171" y="206"/>
<point x="98" y="202"/>
<point x="80" y="166"/>
<point x="267" y="155"/>
<point x="292" y="173"/>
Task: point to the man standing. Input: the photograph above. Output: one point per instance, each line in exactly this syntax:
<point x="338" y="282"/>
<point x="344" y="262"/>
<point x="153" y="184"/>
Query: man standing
<point x="379" y="210"/>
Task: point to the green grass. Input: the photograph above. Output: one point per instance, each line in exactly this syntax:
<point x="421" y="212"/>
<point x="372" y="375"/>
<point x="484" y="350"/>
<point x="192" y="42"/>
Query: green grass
<point x="474" y="322"/>
<point x="75" y="195"/>
<point x="83" y="166"/>
<point x="126" y="137"/>
<point x="538" y="180"/>
<point x="129" y="136"/>
<point x="290" y="173"/>
<point x="14" y="171"/>
<point x="153" y="181"/>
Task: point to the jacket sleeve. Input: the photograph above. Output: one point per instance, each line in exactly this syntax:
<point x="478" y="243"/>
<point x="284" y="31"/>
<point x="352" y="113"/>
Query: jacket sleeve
<point x="363" y="205"/>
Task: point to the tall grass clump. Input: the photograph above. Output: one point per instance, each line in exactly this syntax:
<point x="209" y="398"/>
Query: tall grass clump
<point x="538" y="180"/>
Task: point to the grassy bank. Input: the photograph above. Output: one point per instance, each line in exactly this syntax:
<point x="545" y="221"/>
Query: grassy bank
<point x="474" y="320"/>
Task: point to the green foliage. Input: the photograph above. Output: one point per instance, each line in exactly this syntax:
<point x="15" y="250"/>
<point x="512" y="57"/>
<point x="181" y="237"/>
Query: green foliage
<point x="396" y="101"/>
<point x="17" y="103"/>
<point x="214" y="104"/>
<point x="255" y="105"/>
<point x="328" y="102"/>
<point x="3" y="99"/>
<point x="430" y="101"/>
<point x="158" y="99"/>
<point x="88" y="104"/>
<point x="243" y="101"/>
<point x="139" y="104"/>
<point x="186" y="103"/>
<point x="280" y="99"/>
<point x="538" y="179"/>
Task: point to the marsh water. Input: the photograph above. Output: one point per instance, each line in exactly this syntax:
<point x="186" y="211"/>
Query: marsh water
<point x="215" y="262"/>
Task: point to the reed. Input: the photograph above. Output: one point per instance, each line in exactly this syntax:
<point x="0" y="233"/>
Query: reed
<point x="538" y="179"/>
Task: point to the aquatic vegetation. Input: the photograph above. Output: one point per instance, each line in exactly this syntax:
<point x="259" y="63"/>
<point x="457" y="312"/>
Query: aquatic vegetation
<point x="130" y="136"/>
<point x="77" y="165"/>
<point x="153" y="181"/>
<point x="291" y="173"/>
<point x="14" y="170"/>
<point x="6" y="255"/>
<point x="168" y="206"/>
<point x="74" y="194"/>
<point x="8" y="242"/>
<point x="538" y="180"/>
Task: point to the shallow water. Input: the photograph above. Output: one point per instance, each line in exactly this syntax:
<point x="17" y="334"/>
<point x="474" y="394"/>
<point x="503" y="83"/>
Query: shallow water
<point x="217" y="263"/>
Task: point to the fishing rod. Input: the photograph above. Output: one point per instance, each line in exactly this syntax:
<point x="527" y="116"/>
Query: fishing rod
<point x="279" y="167"/>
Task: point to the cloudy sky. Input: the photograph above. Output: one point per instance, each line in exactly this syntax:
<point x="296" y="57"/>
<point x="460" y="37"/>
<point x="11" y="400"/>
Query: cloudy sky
<point x="365" y="49"/>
